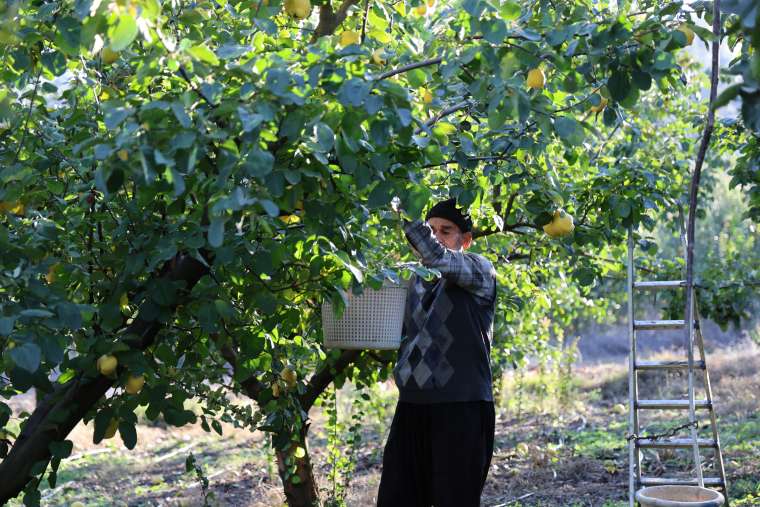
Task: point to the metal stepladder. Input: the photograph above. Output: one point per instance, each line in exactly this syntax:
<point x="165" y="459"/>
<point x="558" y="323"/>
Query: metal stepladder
<point x="637" y="443"/>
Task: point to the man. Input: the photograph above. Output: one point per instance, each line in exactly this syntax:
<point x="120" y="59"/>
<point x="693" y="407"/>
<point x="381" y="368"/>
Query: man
<point x="441" y="438"/>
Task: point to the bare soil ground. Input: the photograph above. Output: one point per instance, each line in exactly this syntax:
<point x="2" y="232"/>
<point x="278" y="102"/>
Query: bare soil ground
<point x="571" y="455"/>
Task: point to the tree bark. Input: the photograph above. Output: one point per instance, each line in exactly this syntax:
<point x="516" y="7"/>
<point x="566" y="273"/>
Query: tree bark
<point x="330" y="20"/>
<point x="61" y="410"/>
<point x="303" y="492"/>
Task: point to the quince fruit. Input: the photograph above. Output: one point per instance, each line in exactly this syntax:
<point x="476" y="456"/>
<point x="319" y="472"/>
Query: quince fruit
<point x="348" y="37"/>
<point x="107" y="364"/>
<point x="52" y="274"/>
<point x="299" y="9"/>
<point x="378" y="56"/>
<point x="16" y="208"/>
<point x="600" y="107"/>
<point x="688" y="32"/>
<point x="113" y="425"/>
<point x="108" y="55"/>
<point x="289" y="376"/>
<point x="135" y="384"/>
<point x="290" y="219"/>
<point x="561" y="224"/>
<point x="536" y="79"/>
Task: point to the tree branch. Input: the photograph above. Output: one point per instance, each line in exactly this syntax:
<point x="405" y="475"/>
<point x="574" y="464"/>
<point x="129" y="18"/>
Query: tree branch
<point x="690" y="239"/>
<point x="62" y="409"/>
<point x="186" y="77"/>
<point x="364" y="20"/>
<point x="330" y="20"/>
<point x="407" y="68"/>
<point x="320" y="380"/>
<point x="252" y="386"/>
<point x="25" y="128"/>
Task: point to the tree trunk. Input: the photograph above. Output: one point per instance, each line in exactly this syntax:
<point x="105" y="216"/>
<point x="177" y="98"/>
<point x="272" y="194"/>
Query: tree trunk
<point x="303" y="492"/>
<point x="61" y="410"/>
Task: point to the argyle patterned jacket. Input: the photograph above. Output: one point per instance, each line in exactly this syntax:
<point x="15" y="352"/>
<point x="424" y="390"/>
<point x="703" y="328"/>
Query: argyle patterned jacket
<point x="448" y="325"/>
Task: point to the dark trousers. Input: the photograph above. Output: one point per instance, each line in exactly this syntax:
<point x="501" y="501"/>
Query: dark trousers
<point x="437" y="454"/>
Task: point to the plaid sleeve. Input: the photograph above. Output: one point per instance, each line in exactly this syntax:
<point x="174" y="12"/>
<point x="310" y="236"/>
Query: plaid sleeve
<point x="470" y="271"/>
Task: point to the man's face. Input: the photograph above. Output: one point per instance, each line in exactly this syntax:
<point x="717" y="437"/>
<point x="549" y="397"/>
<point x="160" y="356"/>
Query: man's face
<point x="449" y="235"/>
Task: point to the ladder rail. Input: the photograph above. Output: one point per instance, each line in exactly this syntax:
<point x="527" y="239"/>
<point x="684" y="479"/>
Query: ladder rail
<point x="692" y="404"/>
<point x="634" y="457"/>
<point x="713" y="417"/>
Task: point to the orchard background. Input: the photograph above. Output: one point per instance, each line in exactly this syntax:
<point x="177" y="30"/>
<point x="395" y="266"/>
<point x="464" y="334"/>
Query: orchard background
<point x="183" y="183"/>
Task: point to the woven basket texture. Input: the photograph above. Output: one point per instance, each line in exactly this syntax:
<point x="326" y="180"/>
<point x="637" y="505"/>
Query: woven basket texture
<point x="371" y="320"/>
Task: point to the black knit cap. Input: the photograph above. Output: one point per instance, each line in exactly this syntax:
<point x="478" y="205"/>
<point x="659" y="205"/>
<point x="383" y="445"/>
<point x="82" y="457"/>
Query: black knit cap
<point x="448" y="209"/>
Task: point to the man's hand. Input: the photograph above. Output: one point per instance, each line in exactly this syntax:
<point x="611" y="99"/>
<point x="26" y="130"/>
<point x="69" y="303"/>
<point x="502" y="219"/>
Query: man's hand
<point x="396" y="206"/>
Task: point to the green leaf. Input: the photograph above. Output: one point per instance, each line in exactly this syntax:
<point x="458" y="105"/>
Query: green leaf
<point x="182" y="117"/>
<point x="36" y="312"/>
<point x="585" y="276"/>
<point x="416" y="77"/>
<point x="69" y="315"/>
<point x="259" y="163"/>
<point x="249" y="120"/>
<point x="494" y="31"/>
<point x="6" y="325"/>
<point x="623" y="209"/>
<point x="569" y="130"/>
<point x="724" y="98"/>
<point x="67" y="35"/>
<point x="51" y="348"/>
<point x="123" y="33"/>
<point x="497" y="116"/>
<point x="642" y="80"/>
<point x="61" y="450"/>
<point x="114" y="115"/>
<point x="5" y="414"/>
<point x="325" y="136"/>
<point x="128" y="434"/>
<point x="510" y="11"/>
<point x="380" y="195"/>
<point x="216" y="232"/>
<point x="26" y="356"/>
<point x="204" y="54"/>
<point x="671" y="8"/>
<point x="353" y="92"/>
<point x="163" y="292"/>
<point x="271" y="208"/>
<point x="619" y="85"/>
<point x="663" y="61"/>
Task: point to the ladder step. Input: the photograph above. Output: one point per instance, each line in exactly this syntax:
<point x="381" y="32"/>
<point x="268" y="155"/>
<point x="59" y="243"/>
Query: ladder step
<point x="643" y="325"/>
<point x="667" y="284"/>
<point x="668" y="365"/>
<point x="672" y="404"/>
<point x="674" y="443"/>
<point x="663" y="481"/>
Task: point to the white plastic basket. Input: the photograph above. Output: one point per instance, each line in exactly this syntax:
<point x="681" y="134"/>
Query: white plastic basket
<point x="371" y="320"/>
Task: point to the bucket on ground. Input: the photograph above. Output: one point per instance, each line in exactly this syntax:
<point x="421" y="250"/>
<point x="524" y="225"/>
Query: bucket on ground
<point x="678" y="496"/>
<point x="371" y="320"/>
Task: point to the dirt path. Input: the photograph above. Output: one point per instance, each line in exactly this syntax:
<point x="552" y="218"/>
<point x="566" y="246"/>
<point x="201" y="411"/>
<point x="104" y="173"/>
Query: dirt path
<point x="575" y="459"/>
